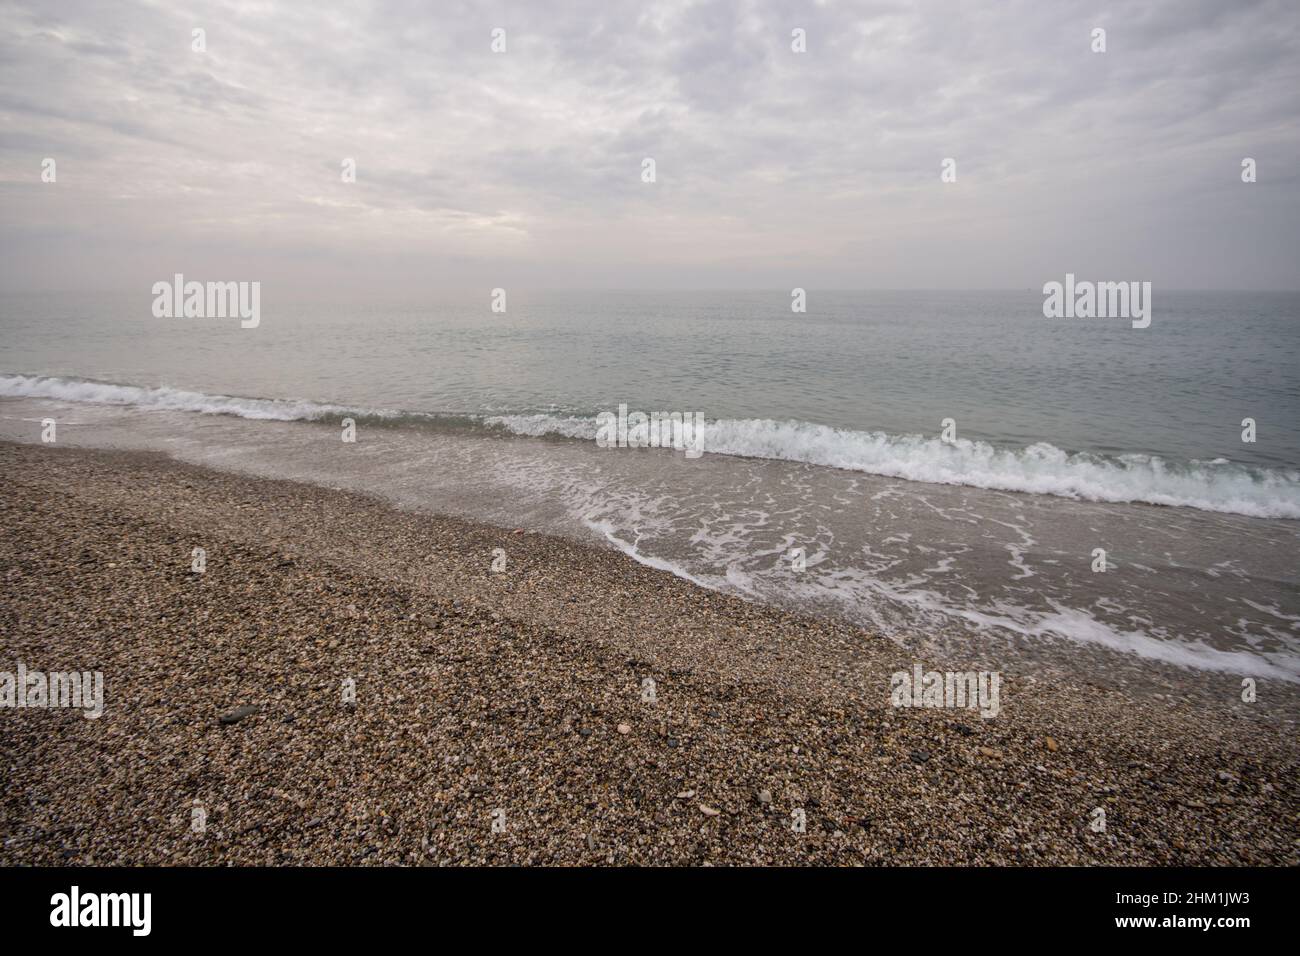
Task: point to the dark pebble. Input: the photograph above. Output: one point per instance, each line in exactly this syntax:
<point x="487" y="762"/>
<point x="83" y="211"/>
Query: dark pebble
<point x="238" y="714"/>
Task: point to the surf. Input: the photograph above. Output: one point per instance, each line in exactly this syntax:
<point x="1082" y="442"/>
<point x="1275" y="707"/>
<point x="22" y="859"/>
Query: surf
<point x="1216" y="485"/>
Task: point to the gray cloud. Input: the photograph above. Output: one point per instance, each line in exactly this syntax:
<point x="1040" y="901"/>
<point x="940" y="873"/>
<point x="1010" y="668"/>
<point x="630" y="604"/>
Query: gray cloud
<point x="773" y="168"/>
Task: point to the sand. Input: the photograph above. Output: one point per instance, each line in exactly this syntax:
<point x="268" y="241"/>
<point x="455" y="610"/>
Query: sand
<point x="501" y="717"/>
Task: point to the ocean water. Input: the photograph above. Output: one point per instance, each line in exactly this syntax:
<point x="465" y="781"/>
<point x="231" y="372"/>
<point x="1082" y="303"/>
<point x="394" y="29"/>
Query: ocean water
<point x="822" y="434"/>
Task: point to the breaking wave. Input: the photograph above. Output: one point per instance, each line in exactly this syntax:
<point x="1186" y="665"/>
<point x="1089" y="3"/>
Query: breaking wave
<point x="167" y="399"/>
<point x="1041" y="468"/>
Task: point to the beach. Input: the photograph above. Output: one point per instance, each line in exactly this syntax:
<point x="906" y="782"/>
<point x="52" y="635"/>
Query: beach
<point x="349" y="682"/>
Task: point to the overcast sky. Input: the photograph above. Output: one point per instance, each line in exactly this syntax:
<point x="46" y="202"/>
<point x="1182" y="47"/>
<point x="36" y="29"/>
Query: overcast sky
<point x="774" y="169"/>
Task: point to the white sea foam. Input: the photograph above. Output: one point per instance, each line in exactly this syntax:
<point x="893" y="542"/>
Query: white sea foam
<point x="565" y="426"/>
<point x="1038" y="469"/>
<point x="864" y="595"/>
<point x="1083" y="628"/>
<point x="1041" y="468"/>
<point x="165" y="398"/>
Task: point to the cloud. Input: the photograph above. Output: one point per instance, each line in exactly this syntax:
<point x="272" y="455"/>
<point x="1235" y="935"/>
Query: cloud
<point x="771" y="164"/>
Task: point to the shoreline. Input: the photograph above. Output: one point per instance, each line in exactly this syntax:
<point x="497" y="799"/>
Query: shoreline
<point x="521" y="691"/>
<point x="1056" y="625"/>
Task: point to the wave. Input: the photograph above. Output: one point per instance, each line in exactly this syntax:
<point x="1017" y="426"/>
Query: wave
<point x="542" y="425"/>
<point x="1042" y="468"/>
<point x="170" y="399"/>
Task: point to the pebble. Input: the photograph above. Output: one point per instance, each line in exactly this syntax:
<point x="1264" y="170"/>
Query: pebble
<point x="238" y="714"/>
<point x="477" y="700"/>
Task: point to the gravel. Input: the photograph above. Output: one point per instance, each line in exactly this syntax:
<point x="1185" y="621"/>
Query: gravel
<point x="498" y="718"/>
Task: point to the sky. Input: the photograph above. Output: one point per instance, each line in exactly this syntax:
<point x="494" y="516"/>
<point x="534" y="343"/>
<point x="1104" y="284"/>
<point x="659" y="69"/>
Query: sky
<point x="773" y="168"/>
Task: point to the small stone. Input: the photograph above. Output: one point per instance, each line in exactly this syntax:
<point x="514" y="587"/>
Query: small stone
<point x="708" y="811"/>
<point x="1052" y="745"/>
<point x="765" y="797"/>
<point x="988" y="751"/>
<point x="686" y="795"/>
<point x="624" y="728"/>
<point x="238" y="714"/>
<point x="919" y="756"/>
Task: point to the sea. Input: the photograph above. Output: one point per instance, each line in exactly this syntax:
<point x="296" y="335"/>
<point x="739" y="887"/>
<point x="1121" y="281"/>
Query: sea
<point x="953" y="470"/>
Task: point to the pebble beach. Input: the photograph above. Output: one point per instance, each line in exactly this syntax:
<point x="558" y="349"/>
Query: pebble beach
<point x="349" y="683"/>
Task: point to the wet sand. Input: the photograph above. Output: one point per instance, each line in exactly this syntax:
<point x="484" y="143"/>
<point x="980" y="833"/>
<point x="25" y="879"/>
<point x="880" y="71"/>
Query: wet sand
<point x="501" y="716"/>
